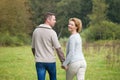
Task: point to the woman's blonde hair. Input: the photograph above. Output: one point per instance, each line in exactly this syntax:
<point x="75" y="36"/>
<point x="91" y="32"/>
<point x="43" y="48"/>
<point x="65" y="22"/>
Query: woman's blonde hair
<point x="78" y="23"/>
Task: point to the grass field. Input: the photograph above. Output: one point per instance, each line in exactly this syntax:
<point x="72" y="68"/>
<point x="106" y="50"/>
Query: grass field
<point x="103" y="63"/>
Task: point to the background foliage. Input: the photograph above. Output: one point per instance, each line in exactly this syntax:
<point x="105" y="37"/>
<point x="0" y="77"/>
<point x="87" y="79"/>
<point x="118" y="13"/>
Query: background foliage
<point x="15" y="23"/>
<point x="18" y="18"/>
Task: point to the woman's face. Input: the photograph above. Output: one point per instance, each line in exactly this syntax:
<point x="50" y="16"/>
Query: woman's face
<point x="71" y="26"/>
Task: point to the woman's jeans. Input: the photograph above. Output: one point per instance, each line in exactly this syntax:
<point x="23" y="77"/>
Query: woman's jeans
<point x="43" y="67"/>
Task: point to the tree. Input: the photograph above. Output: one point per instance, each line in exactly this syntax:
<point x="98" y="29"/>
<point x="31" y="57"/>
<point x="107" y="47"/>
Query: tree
<point x="114" y="10"/>
<point x="15" y="23"/>
<point x="100" y="27"/>
<point x="98" y="12"/>
<point x="40" y="7"/>
<point x="64" y="10"/>
<point x="72" y="8"/>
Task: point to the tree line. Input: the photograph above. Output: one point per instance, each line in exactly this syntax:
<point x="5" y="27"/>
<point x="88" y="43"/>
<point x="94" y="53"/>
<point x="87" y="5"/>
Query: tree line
<point x="18" y="18"/>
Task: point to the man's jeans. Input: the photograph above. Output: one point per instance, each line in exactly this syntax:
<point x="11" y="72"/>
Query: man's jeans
<point x="43" y="67"/>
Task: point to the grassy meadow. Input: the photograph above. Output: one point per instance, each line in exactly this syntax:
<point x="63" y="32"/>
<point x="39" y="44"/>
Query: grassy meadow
<point x="103" y="62"/>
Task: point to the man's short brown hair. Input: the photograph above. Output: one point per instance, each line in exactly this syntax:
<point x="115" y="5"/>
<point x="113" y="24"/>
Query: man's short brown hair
<point x="48" y="14"/>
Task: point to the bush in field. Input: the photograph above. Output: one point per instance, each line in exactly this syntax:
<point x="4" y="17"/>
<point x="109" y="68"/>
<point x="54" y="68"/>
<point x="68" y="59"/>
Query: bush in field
<point x="9" y="40"/>
<point x="99" y="27"/>
<point x="105" y="30"/>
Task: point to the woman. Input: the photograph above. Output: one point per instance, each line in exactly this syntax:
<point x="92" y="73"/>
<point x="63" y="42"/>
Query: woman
<point x="75" y="64"/>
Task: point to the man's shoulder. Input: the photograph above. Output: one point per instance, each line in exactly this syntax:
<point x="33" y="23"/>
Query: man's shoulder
<point x="44" y="26"/>
<point x="53" y="31"/>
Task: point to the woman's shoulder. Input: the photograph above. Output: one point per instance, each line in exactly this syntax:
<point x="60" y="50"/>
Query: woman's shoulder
<point x="75" y="35"/>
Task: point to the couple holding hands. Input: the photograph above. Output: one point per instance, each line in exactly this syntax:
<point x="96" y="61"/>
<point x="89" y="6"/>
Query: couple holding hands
<point x="45" y="40"/>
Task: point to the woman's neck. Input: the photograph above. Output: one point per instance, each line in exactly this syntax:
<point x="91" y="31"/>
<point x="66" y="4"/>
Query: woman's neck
<point x="73" y="32"/>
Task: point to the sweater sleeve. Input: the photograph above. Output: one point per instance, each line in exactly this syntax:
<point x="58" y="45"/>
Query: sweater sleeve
<point x="70" y="50"/>
<point x="33" y="41"/>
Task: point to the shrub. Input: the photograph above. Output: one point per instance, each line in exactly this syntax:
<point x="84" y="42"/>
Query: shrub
<point x="103" y="31"/>
<point x="9" y="40"/>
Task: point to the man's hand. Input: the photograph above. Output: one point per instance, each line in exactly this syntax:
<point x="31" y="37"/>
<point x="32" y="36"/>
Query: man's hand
<point x="33" y="51"/>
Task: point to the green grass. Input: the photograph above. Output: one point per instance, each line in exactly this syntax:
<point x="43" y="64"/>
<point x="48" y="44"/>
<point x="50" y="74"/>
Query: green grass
<point x="17" y="63"/>
<point x="103" y="64"/>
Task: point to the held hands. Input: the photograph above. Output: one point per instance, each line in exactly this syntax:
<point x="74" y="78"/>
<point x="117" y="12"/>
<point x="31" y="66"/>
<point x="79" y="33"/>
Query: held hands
<point x="64" y="67"/>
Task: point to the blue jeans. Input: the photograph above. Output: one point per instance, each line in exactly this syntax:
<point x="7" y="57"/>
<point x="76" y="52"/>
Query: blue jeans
<point x="43" y="67"/>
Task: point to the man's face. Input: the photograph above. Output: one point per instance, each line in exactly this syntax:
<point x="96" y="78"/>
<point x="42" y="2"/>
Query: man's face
<point x="52" y="21"/>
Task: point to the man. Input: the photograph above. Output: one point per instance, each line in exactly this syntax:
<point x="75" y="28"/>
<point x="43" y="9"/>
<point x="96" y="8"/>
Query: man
<point x="44" y="40"/>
